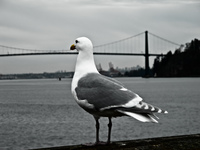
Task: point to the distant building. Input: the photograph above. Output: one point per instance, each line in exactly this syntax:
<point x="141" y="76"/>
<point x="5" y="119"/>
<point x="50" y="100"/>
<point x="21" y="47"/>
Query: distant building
<point x="113" y="72"/>
<point x="118" y="72"/>
<point x="99" y="68"/>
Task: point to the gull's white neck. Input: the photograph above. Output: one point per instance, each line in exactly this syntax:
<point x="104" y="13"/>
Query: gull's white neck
<point x="84" y="64"/>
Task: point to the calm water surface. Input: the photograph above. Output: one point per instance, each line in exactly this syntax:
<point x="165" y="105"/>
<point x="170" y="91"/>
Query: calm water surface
<point x="43" y="113"/>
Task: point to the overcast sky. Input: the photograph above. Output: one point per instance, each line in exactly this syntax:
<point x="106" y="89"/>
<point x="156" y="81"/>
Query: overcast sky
<point x="55" y="24"/>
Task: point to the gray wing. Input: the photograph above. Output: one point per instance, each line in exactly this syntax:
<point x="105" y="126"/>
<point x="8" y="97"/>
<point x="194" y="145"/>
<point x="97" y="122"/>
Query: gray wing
<point x="103" y="92"/>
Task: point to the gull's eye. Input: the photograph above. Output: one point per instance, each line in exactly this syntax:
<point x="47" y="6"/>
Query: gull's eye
<point x="76" y="41"/>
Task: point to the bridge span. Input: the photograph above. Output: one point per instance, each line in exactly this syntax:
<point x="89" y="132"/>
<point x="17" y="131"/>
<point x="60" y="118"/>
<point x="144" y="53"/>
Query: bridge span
<point x="137" y="45"/>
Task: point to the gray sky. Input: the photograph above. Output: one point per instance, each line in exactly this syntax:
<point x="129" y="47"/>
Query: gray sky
<point x="55" y="24"/>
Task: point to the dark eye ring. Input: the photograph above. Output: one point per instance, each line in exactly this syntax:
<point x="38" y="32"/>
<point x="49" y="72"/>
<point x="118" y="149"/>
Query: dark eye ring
<point x="76" y="41"/>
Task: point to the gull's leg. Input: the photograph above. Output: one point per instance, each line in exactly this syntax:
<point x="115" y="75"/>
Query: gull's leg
<point x="98" y="142"/>
<point x="109" y="130"/>
<point x="97" y="133"/>
<point x="97" y="130"/>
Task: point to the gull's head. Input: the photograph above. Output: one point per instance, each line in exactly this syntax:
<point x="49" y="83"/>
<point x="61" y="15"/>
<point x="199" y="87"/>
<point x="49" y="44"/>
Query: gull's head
<point x="85" y="60"/>
<point x="82" y="44"/>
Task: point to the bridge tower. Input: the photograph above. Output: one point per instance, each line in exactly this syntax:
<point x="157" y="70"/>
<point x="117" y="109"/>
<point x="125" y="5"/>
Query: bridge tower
<point x="146" y="55"/>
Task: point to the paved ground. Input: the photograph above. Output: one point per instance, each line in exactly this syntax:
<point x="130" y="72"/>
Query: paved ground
<point x="185" y="142"/>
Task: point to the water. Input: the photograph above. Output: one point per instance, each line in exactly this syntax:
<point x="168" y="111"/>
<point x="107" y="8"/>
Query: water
<point x="43" y="113"/>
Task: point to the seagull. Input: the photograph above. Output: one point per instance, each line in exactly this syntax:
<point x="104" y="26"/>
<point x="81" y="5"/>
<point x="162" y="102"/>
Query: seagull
<point x="102" y="96"/>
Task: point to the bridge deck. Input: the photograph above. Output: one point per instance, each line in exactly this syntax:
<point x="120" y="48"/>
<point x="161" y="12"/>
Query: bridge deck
<point x="74" y="53"/>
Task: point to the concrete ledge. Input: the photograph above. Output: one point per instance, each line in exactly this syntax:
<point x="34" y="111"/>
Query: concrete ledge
<point x="184" y="142"/>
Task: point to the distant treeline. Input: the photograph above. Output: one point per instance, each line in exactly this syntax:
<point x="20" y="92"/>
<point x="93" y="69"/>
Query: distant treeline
<point x="185" y="62"/>
<point x="38" y="75"/>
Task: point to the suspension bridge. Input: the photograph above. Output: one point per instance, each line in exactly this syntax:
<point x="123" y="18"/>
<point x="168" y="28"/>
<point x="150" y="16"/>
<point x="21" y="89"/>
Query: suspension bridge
<point x="144" y="44"/>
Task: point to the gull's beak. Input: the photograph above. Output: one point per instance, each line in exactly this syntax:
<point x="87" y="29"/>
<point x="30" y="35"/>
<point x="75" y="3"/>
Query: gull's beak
<point x="73" y="47"/>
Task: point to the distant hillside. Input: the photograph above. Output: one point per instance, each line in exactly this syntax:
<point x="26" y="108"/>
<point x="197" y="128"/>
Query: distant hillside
<point x="183" y="63"/>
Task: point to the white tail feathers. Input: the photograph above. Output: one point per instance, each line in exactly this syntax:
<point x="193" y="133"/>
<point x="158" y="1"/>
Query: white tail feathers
<point x="144" y="106"/>
<point x="140" y="117"/>
<point x="165" y="112"/>
<point x="154" y="116"/>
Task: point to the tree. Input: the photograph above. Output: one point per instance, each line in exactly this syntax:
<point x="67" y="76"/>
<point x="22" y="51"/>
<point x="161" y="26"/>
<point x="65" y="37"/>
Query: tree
<point x="184" y="63"/>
